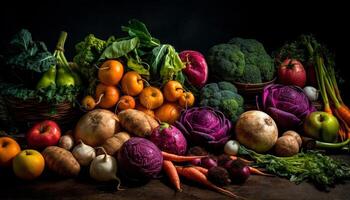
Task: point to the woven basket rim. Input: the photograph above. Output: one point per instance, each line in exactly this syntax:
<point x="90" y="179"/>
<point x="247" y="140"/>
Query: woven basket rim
<point x="255" y="84"/>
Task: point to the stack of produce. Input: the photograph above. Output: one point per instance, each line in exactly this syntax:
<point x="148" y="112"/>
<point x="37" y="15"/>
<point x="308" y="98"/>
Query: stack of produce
<point x="142" y="119"/>
<point x="35" y="73"/>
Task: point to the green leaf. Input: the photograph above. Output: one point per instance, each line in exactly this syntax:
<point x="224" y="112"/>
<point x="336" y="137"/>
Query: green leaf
<point x="158" y="54"/>
<point x="120" y="48"/>
<point x="138" y="29"/>
<point x="25" y="54"/>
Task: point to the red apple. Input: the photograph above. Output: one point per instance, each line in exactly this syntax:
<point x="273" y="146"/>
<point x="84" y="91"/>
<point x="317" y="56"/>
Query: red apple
<point x="43" y="134"/>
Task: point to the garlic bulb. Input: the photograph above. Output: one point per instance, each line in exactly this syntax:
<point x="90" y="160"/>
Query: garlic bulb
<point x="311" y="93"/>
<point x="84" y="153"/>
<point x="104" y="168"/>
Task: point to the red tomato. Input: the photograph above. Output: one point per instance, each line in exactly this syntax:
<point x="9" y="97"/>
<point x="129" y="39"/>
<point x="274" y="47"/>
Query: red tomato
<point x="292" y="72"/>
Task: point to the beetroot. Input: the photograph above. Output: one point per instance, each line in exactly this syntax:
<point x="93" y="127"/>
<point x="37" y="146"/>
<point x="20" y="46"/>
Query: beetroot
<point x="196" y="67"/>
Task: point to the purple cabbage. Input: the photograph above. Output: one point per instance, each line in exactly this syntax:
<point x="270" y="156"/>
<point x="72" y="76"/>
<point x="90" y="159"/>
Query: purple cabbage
<point x="169" y="139"/>
<point x="205" y="126"/>
<point x="287" y="105"/>
<point x="140" y="159"/>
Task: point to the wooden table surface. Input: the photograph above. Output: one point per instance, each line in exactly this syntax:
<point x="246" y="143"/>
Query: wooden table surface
<point x="256" y="187"/>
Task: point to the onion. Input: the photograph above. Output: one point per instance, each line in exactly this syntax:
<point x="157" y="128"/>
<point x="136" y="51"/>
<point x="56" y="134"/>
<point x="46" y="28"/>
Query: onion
<point x="239" y="172"/>
<point x="231" y="147"/>
<point x="196" y="162"/>
<point x="104" y="168"/>
<point x="84" y="153"/>
<point x="96" y="126"/>
<point x="311" y="93"/>
<point x="208" y="162"/>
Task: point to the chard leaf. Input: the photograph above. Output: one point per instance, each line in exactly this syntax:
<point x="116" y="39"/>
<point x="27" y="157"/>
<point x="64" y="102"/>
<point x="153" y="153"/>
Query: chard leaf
<point x="120" y="48"/>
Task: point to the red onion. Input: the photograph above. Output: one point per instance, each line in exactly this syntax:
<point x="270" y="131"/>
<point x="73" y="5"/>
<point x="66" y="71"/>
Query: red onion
<point x="208" y="162"/>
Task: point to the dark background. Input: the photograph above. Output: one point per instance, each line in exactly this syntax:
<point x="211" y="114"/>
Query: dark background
<point x="185" y="24"/>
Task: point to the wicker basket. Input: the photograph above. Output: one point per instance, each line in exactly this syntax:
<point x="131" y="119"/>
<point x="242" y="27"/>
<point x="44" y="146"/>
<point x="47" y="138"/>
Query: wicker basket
<point x="250" y="91"/>
<point x="23" y="114"/>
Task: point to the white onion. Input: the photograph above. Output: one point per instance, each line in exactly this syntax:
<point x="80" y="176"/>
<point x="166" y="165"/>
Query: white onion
<point x="311" y="93"/>
<point x="84" y="153"/>
<point x="231" y="147"/>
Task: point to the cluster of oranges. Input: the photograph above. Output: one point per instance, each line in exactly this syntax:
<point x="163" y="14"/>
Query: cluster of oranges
<point x="137" y="94"/>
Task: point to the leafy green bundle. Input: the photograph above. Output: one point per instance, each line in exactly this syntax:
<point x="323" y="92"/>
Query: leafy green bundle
<point x="139" y="51"/>
<point x="312" y="166"/>
<point x="27" y="61"/>
<point x="24" y="53"/>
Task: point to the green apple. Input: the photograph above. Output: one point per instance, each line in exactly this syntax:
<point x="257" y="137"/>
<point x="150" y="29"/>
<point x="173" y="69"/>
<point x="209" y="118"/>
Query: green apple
<point x="321" y="126"/>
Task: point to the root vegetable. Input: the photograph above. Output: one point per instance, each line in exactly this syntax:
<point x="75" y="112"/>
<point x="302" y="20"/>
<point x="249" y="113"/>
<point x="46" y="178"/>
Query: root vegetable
<point x="104" y="168"/>
<point x="231" y="147"/>
<point x="113" y="144"/>
<point x="295" y="135"/>
<point x="286" y="146"/>
<point x="96" y="126"/>
<point x="84" y="153"/>
<point x="66" y="142"/>
<point x="137" y="122"/>
<point x="61" y="161"/>
<point x="256" y="130"/>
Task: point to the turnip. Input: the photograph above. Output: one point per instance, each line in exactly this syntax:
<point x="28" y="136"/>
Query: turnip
<point x="256" y="130"/>
<point x="104" y="168"/>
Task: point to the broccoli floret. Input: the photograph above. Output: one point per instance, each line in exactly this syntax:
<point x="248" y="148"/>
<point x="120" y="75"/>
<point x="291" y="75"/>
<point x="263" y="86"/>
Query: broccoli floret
<point x="255" y="54"/>
<point x="251" y="75"/>
<point x="226" y="61"/>
<point x="223" y="96"/>
<point x="226" y="86"/>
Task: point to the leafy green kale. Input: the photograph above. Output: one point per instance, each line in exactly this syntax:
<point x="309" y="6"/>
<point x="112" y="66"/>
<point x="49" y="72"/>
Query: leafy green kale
<point x="51" y="94"/>
<point x="26" y="54"/>
<point x="226" y="61"/>
<point x="223" y="96"/>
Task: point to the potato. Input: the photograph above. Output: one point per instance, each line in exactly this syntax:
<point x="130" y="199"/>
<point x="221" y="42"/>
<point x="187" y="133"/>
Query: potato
<point x="137" y="122"/>
<point x="113" y="144"/>
<point x="61" y="161"/>
<point x="286" y="146"/>
<point x="295" y="135"/>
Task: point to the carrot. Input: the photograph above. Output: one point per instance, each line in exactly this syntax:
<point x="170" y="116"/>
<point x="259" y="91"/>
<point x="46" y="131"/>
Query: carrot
<point x="177" y="158"/>
<point x="247" y="162"/>
<point x="258" y="172"/>
<point x="201" y="169"/>
<point x="173" y="176"/>
<point x="193" y="174"/>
